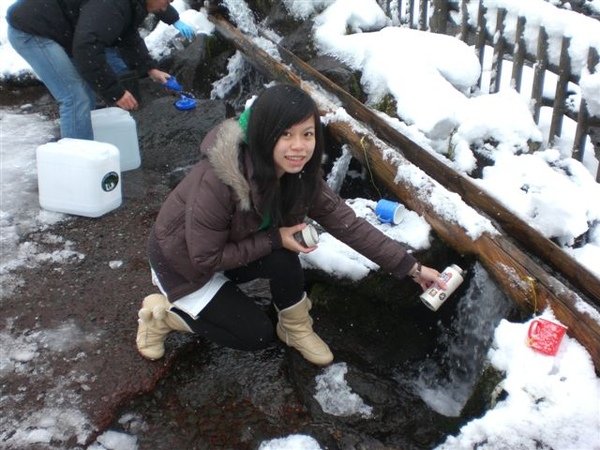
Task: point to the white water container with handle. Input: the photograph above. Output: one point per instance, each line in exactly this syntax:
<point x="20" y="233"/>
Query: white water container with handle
<point x="116" y="126"/>
<point x="79" y="177"/>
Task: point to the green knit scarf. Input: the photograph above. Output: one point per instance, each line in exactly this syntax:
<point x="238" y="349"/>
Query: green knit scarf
<point x="243" y="121"/>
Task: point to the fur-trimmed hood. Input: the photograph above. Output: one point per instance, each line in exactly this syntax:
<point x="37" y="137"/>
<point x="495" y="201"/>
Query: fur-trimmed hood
<point x="222" y="148"/>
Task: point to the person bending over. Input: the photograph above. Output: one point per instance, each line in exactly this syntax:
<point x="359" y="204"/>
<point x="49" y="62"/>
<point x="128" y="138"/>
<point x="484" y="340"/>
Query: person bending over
<point x="232" y="220"/>
<point x="65" y="42"/>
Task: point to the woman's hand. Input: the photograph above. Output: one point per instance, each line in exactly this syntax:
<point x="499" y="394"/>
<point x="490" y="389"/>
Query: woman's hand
<point x="426" y="276"/>
<point x="288" y="241"/>
<point x="158" y="75"/>
<point x="127" y="102"/>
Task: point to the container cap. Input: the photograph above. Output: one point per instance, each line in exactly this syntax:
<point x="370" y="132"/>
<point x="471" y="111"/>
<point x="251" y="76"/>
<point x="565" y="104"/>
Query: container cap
<point x="185" y="103"/>
<point x="457" y="268"/>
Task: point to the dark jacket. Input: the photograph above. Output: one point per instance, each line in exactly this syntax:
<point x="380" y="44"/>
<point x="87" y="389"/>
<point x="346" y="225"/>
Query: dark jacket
<point x="209" y="223"/>
<point x="84" y="28"/>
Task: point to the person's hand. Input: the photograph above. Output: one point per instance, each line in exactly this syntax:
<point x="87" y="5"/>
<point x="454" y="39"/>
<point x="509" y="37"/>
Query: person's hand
<point x="288" y="241"/>
<point x="186" y="31"/>
<point x="127" y="102"/>
<point x="158" y="75"/>
<point x="426" y="276"/>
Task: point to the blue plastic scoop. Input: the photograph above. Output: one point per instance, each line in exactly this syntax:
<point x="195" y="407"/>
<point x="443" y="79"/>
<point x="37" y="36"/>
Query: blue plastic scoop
<point x="187" y="101"/>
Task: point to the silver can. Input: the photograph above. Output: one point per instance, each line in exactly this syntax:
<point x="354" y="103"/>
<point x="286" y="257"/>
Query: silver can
<point x="434" y="297"/>
<point x="308" y="237"/>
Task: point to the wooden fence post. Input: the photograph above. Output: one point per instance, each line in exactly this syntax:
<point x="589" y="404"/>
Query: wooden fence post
<point x="480" y="40"/>
<point x="496" y="75"/>
<point x="558" y="108"/>
<point x="439" y="17"/>
<point x="464" y="21"/>
<point x="518" y="55"/>
<point x="583" y="119"/>
<point x="539" y="73"/>
<point x="423" y="15"/>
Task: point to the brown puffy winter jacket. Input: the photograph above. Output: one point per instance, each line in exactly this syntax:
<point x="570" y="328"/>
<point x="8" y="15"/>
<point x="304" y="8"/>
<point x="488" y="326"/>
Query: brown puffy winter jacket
<point x="209" y="223"/>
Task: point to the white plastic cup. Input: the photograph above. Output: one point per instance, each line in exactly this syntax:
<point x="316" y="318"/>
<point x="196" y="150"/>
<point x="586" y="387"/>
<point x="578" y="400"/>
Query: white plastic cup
<point x="388" y="211"/>
<point x="308" y="237"/>
<point x="434" y="297"/>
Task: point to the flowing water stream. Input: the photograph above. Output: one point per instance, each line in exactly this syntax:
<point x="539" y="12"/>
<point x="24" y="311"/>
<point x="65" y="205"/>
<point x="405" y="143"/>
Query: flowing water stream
<point x="446" y="380"/>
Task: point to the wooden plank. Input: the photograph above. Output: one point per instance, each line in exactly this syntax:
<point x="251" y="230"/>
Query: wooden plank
<point x="592" y="62"/>
<point x="518" y="55"/>
<point x="539" y="72"/>
<point x="581" y="132"/>
<point x="423" y="15"/>
<point x="560" y="95"/>
<point x="496" y="75"/>
<point x="583" y="118"/>
<point x="480" y="39"/>
<point x="507" y="263"/>
<point x="464" y="21"/>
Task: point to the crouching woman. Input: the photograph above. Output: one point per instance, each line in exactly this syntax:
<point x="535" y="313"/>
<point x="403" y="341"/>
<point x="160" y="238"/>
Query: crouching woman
<point x="232" y="220"/>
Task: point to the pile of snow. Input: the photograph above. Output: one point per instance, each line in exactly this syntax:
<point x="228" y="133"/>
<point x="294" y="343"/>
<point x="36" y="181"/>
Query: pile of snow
<point x="336" y="397"/>
<point x="429" y="77"/>
<point x="552" y="401"/>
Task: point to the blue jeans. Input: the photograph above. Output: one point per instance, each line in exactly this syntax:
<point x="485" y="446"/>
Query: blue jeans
<point x="55" y="69"/>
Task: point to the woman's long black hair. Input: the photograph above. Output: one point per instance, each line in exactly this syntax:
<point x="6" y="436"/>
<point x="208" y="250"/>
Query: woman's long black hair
<point x="275" y="110"/>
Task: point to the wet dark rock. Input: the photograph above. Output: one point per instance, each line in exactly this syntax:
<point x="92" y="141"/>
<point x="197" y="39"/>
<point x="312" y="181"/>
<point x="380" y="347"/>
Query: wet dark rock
<point x="170" y="138"/>
<point x="296" y="41"/>
<point x="337" y="72"/>
<point x="200" y="63"/>
<point x="28" y="99"/>
<point x="278" y="19"/>
<point x="485" y="393"/>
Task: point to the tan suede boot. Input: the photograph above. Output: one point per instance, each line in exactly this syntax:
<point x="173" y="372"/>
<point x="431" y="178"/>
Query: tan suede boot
<point x="295" y="329"/>
<point x="155" y="322"/>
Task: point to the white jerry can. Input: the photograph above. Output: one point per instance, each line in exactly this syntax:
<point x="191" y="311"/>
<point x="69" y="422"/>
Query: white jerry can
<point x="79" y="177"/>
<point x="116" y="126"/>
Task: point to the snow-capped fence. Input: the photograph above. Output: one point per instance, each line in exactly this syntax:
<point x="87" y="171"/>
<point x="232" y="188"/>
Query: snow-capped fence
<point x="521" y="40"/>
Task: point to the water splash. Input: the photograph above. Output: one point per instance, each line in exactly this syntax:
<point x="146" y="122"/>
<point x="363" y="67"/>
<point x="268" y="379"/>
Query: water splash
<point x="236" y="70"/>
<point x="242" y="15"/>
<point x="446" y="381"/>
<point x="338" y="172"/>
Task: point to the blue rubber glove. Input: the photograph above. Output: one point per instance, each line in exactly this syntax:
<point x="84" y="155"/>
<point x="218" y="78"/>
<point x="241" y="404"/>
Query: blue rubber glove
<point x="186" y="31"/>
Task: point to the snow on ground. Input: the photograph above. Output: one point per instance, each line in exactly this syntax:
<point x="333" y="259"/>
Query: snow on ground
<point x="27" y="354"/>
<point x="293" y="442"/>
<point x="552" y="401"/>
<point x="20" y="135"/>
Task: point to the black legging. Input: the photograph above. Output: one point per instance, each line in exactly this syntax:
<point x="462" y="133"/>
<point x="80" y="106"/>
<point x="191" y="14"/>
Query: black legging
<point x="232" y="319"/>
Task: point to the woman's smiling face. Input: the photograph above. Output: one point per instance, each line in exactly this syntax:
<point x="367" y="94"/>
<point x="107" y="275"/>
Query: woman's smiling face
<point x="295" y="147"/>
